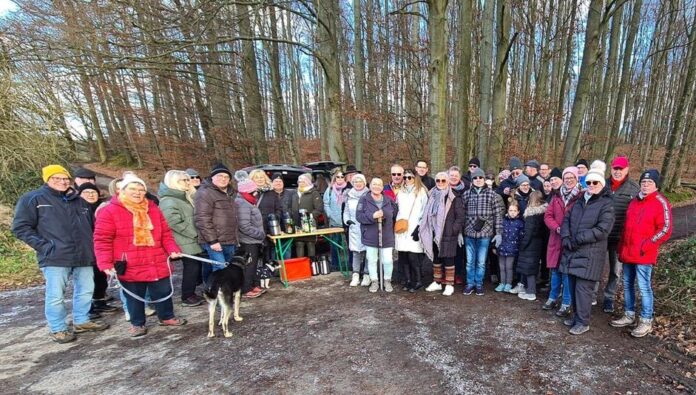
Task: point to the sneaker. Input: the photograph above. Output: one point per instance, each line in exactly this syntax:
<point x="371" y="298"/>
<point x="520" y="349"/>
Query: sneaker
<point x="578" y="329"/>
<point x="149" y="311"/>
<point x="626" y="320"/>
<point x="569" y="322"/>
<point x="507" y="288"/>
<point x="434" y="286"/>
<point x="550" y="304"/>
<point x="260" y="290"/>
<point x="608" y="306"/>
<point x="90" y="326"/>
<point x="173" y="322"/>
<point x="63" y="337"/>
<point x="518" y="288"/>
<point x="563" y="311"/>
<point x="103" y="307"/>
<point x="192" y="301"/>
<point x="387" y="286"/>
<point x="479" y="291"/>
<point x="137" y="331"/>
<point x="365" y="281"/>
<point x="374" y="286"/>
<point x="469" y="290"/>
<point x="449" y="290"/>
<point x="526" y="296"/>
<point x="594" y="301"/>
<point x="355" y="280"/>
<point x="500" y="287"/>
<point x="415" y="287"/>
<point x="252" y="294"/>
<point x="644" y="327"/>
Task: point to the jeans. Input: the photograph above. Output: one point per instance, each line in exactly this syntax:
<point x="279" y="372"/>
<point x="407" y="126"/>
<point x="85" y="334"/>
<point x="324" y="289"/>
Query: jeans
<point x="385" y="258"/>
<point x="220" y="256"/>
<point x="83" y="287"/>
<point x="476" y="252"/>
<point x="644" y="275"/>
<point x="157" y="290"/>
<point x="559" y="279"/>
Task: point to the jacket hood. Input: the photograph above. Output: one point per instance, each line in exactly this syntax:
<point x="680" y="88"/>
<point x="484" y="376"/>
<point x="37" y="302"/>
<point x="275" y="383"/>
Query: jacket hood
<point x="165" y="191"/>
<point x="535" y="210"/>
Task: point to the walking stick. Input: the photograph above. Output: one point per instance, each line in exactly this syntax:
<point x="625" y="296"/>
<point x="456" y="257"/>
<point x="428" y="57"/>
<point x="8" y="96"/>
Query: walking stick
<point x="379" y="255"/>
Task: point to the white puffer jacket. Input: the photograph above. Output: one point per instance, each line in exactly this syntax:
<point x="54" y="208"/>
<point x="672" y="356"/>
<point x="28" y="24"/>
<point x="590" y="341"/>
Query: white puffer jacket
<point x="411" y="206"/>
<point x="351" y="203"/>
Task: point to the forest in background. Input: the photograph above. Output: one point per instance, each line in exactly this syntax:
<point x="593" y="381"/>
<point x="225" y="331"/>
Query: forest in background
<point x="179" y="83"/>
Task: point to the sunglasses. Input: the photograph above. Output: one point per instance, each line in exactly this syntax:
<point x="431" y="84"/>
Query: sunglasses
<point x="472" y="166"/>
<point x="195" y="177"/>
<point x="396" y="174"/>
<point x="478" y="178"/>
<point x="440" y="181"/>
<point x="593" y="182"/>
<point x="409" y="177"/>
<point x="340" y="176"/>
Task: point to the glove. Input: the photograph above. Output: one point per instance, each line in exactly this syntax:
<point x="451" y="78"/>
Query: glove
<point x="350" y="222"/>
<point x="460" y="240"/>
<point x="497" y="240"/>
<point x="415" y="235"/>
<point x="569" y="245"/>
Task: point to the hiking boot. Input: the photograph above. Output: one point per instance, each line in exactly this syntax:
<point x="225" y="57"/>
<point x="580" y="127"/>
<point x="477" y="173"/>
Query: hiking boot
<point x="626" y="320"/>
<point x="518" y="288"/>
<point x="90" y="326"/>
<point x="137" y="331"/>
<point x="526" y="296"/>
<point x="579" y="329"/>
<point x="563" y="311"/>
<point x="644" y="327"/>
<point x="507" y="288"/>
<point x="479" y="291"/>
<point x="374" y="286"/>
<point x="63" y="337"/>
<point x="433" y="287"/>
<point x="192" y="301"/>
<point x="149" y="311"/>
<point x="175" y="321"/>
<point x="365" y="281"/>
<point x="449" y="290"/>
<point x="549" y="305"/>
<point x="355" y="280"/>
<point x="468" y="290"/>
<point x="387" y="286"/>
<point x="500" y="287"/>
<point x="608" y="306"/>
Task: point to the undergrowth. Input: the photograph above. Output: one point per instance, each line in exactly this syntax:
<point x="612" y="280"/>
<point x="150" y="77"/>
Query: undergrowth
<point x="675" y="280"/>
<point x="18" y="267"/>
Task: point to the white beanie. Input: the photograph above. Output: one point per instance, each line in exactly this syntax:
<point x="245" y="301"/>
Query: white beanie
<point x="595" y="174"/>
<point x="129" y="179"/>
<point x="599" y="165"/>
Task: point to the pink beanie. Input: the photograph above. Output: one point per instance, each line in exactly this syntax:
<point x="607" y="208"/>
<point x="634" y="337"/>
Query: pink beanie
<point x="573" y="170"/>
<point x="246" y="186"/>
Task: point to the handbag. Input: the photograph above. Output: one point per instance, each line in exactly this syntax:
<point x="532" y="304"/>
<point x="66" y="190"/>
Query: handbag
<point x="401" y="225"/>
<point x="120" y="266"/>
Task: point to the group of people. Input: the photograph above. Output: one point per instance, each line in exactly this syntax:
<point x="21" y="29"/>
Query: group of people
<point x="534" y="218"/>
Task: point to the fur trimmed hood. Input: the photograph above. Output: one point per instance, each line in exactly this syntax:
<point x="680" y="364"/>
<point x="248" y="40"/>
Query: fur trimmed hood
<point x="535" y="210"/>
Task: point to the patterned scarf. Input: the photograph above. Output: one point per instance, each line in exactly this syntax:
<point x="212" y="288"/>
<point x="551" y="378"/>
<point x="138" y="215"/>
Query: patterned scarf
<point x="142" y="225"/>
<point x="568" y="195"/>
<point x="433" y="221"/>
<point x="338" y="190"/>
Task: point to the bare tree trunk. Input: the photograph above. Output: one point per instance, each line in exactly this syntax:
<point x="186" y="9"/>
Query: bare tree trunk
<point x="504" y="22"/>
<point x="359" y="70"/>
<point x="464" y="80"/>
<point x="437" y="13"/>
<point x="485" y="68"/>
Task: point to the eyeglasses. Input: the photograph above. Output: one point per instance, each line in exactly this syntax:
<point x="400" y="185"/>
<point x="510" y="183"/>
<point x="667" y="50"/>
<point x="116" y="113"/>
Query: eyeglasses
<point x="60" y="179"/>
<point x="440" y="181"/>
<point x="478" y="178"/>
<point x="409" y="177"/>
<point x="593" y="182"/>
<point x="396" y="174"/>
<point x="89" y="193"/>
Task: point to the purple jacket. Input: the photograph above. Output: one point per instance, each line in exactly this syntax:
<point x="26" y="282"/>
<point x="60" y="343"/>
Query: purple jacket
<point x="369" y="227"/>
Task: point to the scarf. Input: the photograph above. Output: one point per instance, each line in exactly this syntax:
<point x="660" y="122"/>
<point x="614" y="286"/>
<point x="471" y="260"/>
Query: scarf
<point x="262" y="189"/>
<point x="568" y="195"/>
<point x="142" y="225"/>
<point x="616" y="184"/>
<point x="249" y="197"/>
<point x="338" y="190"/>
<point x="460" y="187"/>
<point x="355" y="194"/>
<point x="433" y="221"/>
<point x="301" y="190"/>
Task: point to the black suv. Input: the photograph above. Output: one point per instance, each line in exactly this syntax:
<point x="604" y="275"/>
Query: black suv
<point x="291" y="172"/>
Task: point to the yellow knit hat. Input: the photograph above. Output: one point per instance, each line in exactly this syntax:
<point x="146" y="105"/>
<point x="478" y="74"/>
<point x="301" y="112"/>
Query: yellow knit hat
<point x="51" y="170"/>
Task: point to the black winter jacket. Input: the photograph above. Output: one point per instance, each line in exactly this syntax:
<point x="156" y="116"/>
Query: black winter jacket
<point x="584" y="236"/>
<point x="533" y="244"/>
<point x="268" y="202"/>
<point x="622" y="197"/>
<point x="57" y="226"/>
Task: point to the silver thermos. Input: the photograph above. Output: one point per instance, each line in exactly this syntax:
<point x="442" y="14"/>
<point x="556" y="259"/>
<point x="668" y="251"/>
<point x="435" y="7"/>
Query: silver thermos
<point x="274" y="225"/>
<point x="315" y="268"/>
<point x="325" y="269"/>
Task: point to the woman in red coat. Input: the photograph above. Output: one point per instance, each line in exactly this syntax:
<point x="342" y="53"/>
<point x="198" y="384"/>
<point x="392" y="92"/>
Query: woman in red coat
<point x="134" y="230"/>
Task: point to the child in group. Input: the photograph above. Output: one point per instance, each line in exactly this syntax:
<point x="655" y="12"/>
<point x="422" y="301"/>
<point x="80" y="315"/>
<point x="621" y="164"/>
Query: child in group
<point x="513" y="230"/>
<point x="533" y="244"/>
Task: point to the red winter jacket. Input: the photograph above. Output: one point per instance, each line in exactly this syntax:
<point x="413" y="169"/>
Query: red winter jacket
<point x="648" y="225"/>
<point x="113" y="239"/>
<point x="553" y="218"/>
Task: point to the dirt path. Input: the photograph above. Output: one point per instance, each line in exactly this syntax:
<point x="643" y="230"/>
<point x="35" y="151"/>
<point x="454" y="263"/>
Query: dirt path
<point x="320" y="336"/>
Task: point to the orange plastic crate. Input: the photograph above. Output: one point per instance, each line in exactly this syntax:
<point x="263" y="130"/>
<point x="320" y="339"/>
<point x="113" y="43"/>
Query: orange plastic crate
<point x="298" y="269"/>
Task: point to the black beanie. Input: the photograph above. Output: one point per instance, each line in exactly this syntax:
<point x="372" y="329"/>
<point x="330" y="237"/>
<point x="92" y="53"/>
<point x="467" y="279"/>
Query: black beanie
<point x="85" y="173"/>
<point x="582" y="162"/>
<point x="475" y="161"/>
<point x="556" y="172"/>
<point x="220" y="168"/>
<point x="651" y="174"/>
<point x="276" y="175"/>
<point x="87" y="185"/>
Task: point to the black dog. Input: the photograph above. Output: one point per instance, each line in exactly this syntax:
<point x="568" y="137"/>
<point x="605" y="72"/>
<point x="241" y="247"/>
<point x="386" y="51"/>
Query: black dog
<point x="267" y="271"/>
<point x="226" y="287"/>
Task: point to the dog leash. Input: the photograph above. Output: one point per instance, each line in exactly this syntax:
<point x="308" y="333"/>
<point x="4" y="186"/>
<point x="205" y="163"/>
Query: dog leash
<point x="114" y="278"/>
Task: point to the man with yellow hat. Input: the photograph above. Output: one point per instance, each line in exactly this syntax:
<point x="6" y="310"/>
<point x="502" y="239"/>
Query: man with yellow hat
<point x="57" y="223"/>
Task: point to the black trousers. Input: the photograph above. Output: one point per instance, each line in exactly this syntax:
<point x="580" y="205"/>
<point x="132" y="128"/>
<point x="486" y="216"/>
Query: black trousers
<point x="250" y="280"/>
<point x="411" y="264"/>
<point x="189" y="277"/>
<point x="100" y="284"/>
<point x="581" y="292"/>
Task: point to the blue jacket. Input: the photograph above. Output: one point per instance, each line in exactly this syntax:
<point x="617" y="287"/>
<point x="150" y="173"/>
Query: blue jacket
<point x="513" y="231"/>
<point x="369" y="227"/>
<point x="57" y="226"/>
